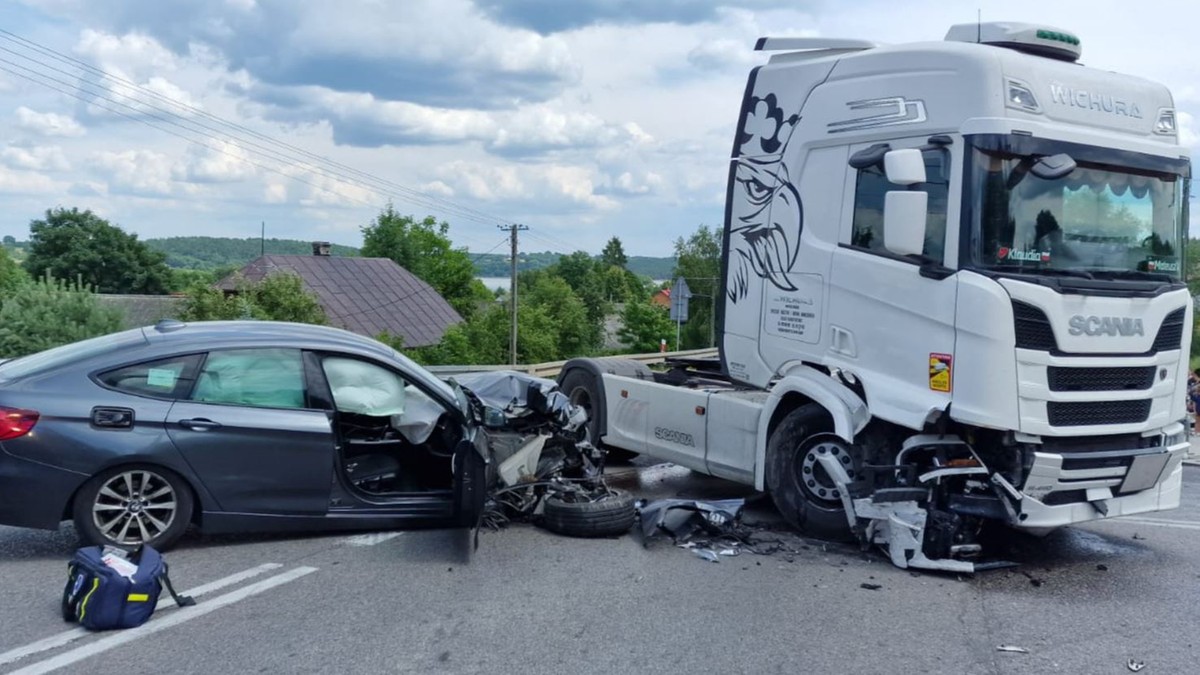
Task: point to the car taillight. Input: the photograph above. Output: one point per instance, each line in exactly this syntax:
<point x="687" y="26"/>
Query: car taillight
<point x="16" y="422"/>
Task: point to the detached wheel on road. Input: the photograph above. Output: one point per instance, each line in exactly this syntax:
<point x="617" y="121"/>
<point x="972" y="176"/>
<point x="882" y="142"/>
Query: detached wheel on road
<point x="805" y="494"/>
<point x="583" y="390"/>
<point x="608" y="516"/>
<point x="133" y="505"/>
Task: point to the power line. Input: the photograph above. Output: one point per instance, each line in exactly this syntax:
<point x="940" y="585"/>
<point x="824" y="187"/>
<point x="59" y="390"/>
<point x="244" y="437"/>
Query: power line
<point x="423" y="199"/>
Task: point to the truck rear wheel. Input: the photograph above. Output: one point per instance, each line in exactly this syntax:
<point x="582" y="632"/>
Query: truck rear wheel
<point x="582" y="388"/>
<point x="804" y="493"/>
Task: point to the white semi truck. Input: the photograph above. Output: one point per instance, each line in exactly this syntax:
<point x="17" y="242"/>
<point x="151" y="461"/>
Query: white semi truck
<point x="951" y="294"/>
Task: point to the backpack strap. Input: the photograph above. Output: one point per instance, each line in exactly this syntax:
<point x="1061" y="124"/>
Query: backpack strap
<point x="180" y="600"/>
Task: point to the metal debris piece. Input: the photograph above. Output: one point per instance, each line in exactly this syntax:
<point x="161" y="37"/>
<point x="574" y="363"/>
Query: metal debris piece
<point x="1135" y="666"/>
<point x="1011" y="648"/>
<point x="870" y="587"/>
<point x="681" y="518"/>
<point x="707" y="554"/>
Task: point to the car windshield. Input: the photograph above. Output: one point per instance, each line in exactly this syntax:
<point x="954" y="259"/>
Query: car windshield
<point x="69" y="353"/>
<point x="1097" y="221"/>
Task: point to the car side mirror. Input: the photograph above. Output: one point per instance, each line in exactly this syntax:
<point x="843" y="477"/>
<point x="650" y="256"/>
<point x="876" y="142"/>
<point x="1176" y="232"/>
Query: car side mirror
<point x="904" y="221"/>
<point x="904" y="167"/>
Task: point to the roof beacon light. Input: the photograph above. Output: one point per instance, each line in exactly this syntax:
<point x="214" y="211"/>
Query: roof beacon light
<point x="1046" y="41"/>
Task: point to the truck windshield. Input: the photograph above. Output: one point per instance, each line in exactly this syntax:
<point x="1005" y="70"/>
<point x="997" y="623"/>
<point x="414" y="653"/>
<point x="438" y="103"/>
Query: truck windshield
<point x="1100" y="221"/>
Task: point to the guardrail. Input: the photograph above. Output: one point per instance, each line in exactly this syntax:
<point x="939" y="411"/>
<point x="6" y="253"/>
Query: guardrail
<point x="552" y="368"/>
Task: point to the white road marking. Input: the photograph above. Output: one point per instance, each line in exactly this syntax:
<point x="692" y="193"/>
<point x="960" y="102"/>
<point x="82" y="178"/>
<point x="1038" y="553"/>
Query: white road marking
<point x="67" y="637"/>
<point x="155" y="625"/>
<point x="371" y="539"/>
<point x="1156" y="522"/>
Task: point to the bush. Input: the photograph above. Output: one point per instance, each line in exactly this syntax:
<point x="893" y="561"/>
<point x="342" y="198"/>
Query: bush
<point x="47" y="313"/>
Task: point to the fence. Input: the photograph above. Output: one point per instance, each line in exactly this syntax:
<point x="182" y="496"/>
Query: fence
<point x="552" y="368"/>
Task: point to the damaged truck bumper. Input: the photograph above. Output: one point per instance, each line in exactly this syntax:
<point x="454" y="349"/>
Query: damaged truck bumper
<point x="1151" y="482"/>
<point x="1059" y="490"/>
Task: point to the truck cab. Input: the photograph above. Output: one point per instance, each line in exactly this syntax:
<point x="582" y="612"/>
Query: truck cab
<point x="952" y="293"/>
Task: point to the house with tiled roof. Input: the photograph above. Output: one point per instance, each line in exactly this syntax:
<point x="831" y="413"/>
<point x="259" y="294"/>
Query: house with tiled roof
<point x="368" y="296"/>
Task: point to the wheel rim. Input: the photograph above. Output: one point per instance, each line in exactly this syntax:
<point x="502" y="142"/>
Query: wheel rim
<point x="814" y="480"/>
<point x="580" y="397"/>
<point x="134" y="507"/>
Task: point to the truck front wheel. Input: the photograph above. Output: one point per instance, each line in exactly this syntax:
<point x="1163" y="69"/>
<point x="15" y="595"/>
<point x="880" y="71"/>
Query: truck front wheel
<point x="582" y="388"/>
<point x="805" y="494"/>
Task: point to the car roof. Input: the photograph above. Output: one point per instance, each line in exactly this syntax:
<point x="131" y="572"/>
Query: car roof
<point x="250" y="333"/>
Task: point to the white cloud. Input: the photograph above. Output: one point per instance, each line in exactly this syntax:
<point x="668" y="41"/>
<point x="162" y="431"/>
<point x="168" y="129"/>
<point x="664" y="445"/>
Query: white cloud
<point x="554" y="187"/>
<point x="47" y="123"/>
<point x="36" y="158"/>
<point x="139" y="172"/>
<point x="1188" y="134"/>
<point x="27" y="182"/>
<point x="275" y="193"/>
<point x="218" y="162"/>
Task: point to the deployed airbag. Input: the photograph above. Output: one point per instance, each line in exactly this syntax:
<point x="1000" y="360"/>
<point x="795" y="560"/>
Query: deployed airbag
<point x="364" y="388"/>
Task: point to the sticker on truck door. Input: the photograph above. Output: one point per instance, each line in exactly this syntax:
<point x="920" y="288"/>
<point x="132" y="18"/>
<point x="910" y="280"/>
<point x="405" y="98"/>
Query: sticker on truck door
<point x="939" y="371"/>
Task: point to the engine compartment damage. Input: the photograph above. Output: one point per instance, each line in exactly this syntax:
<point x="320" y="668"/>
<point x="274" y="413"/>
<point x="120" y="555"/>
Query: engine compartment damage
<point x="544" y="468"/>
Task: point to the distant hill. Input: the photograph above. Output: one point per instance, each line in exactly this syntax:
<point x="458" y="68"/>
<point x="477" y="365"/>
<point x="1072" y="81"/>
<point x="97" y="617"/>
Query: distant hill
<point x="207" y="253"/>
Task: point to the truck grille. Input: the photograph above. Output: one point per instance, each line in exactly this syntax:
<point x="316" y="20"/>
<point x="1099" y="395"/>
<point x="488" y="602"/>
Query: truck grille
<point x="1100" y="379"/>
<point x="1170" y="334"/>
<point x="1090" y="413"/>
<point x="1033" y="330"/>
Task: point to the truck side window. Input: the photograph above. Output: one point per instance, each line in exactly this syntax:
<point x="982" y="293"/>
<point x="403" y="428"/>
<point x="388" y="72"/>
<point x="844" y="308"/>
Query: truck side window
<point x="870" y="188"/>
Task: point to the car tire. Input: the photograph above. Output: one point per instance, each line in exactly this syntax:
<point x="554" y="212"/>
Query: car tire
<point x="611" y="516"/>
<point x="799" y="505"/>
<point x="582" y="389"/>
<point x="151" y="500"/>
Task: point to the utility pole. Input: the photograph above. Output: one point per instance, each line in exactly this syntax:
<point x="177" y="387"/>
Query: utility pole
<point x="262" y="240"/>
<point x="512" y="230"/>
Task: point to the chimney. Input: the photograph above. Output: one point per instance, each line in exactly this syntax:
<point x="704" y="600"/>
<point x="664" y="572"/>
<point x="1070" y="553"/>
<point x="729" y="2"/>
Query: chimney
<point x="320" y="248"/>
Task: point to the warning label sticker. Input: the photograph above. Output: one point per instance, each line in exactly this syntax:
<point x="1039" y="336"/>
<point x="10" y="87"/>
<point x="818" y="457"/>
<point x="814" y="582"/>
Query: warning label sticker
<point x="940" y="371"/>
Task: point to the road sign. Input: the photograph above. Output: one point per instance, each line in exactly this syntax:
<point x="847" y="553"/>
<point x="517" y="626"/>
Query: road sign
<point x="679" y="300"/>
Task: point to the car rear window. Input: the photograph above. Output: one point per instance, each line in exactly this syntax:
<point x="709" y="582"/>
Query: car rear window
<point x="74" y="352"/>
<point x="164" y="378"/>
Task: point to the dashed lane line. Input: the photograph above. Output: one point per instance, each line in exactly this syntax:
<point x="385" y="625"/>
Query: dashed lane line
<point x="67" y="637"/>
<point x="115" y="640"/>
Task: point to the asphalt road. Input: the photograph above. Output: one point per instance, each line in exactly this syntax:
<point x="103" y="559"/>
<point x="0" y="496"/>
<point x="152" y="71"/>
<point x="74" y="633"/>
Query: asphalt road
<point x="1084" y="600"/>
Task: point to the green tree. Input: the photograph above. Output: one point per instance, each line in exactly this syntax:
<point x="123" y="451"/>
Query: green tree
<point x="424" y="248"/>
<point x="49" y="312"/>
<point x="79" y="245"/>
<point x="183" y="279"/>
<point x="278" y="297"/>
<point x="698" y="259"/>
<point x="12" y="275"/>
<point x="643" y="325"/>
<point x="614" y="254"/>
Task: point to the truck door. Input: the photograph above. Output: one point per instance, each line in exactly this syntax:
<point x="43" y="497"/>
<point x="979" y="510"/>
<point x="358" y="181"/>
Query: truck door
<point x="891" y="316"/>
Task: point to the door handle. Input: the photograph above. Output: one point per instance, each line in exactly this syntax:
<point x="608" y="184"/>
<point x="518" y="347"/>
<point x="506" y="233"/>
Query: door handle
<point x="199" y="424"/>
<point x="112" y="418"/>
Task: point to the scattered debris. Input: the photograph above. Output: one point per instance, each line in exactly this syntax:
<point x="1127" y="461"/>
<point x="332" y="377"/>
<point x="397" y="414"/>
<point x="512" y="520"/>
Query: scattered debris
<point x="707" y="554"/>
<point x="1135" y="666"/>
<point x="681" y="518"/>
<point x="1037" y="583"/>
<point x="870" y="587"/>
<point x="1013" y="649"/>
<point x="1102" y="568"/>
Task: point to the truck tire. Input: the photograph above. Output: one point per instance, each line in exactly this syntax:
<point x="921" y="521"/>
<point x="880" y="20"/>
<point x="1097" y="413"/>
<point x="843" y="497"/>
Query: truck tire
<point x="583" y="389"/>
<point x="609" y="517"/>
<point x="788" y="478"/>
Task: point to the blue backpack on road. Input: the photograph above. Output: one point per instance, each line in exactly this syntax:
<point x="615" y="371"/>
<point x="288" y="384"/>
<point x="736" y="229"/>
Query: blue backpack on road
<point x="109" y="588"/>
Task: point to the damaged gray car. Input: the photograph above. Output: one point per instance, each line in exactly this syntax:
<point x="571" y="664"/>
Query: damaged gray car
<point x="248" y="426"/>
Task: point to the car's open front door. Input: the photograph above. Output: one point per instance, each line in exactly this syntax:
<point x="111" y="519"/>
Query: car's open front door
<point x="470" y="477"/>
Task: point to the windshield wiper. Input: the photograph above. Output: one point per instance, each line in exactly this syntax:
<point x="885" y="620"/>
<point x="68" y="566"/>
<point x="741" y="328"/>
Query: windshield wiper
<point x="1043" y="271"/>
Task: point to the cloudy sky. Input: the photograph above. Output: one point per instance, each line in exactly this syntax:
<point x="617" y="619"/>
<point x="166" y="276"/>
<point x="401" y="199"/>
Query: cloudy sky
<point x="580" y="118"/>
